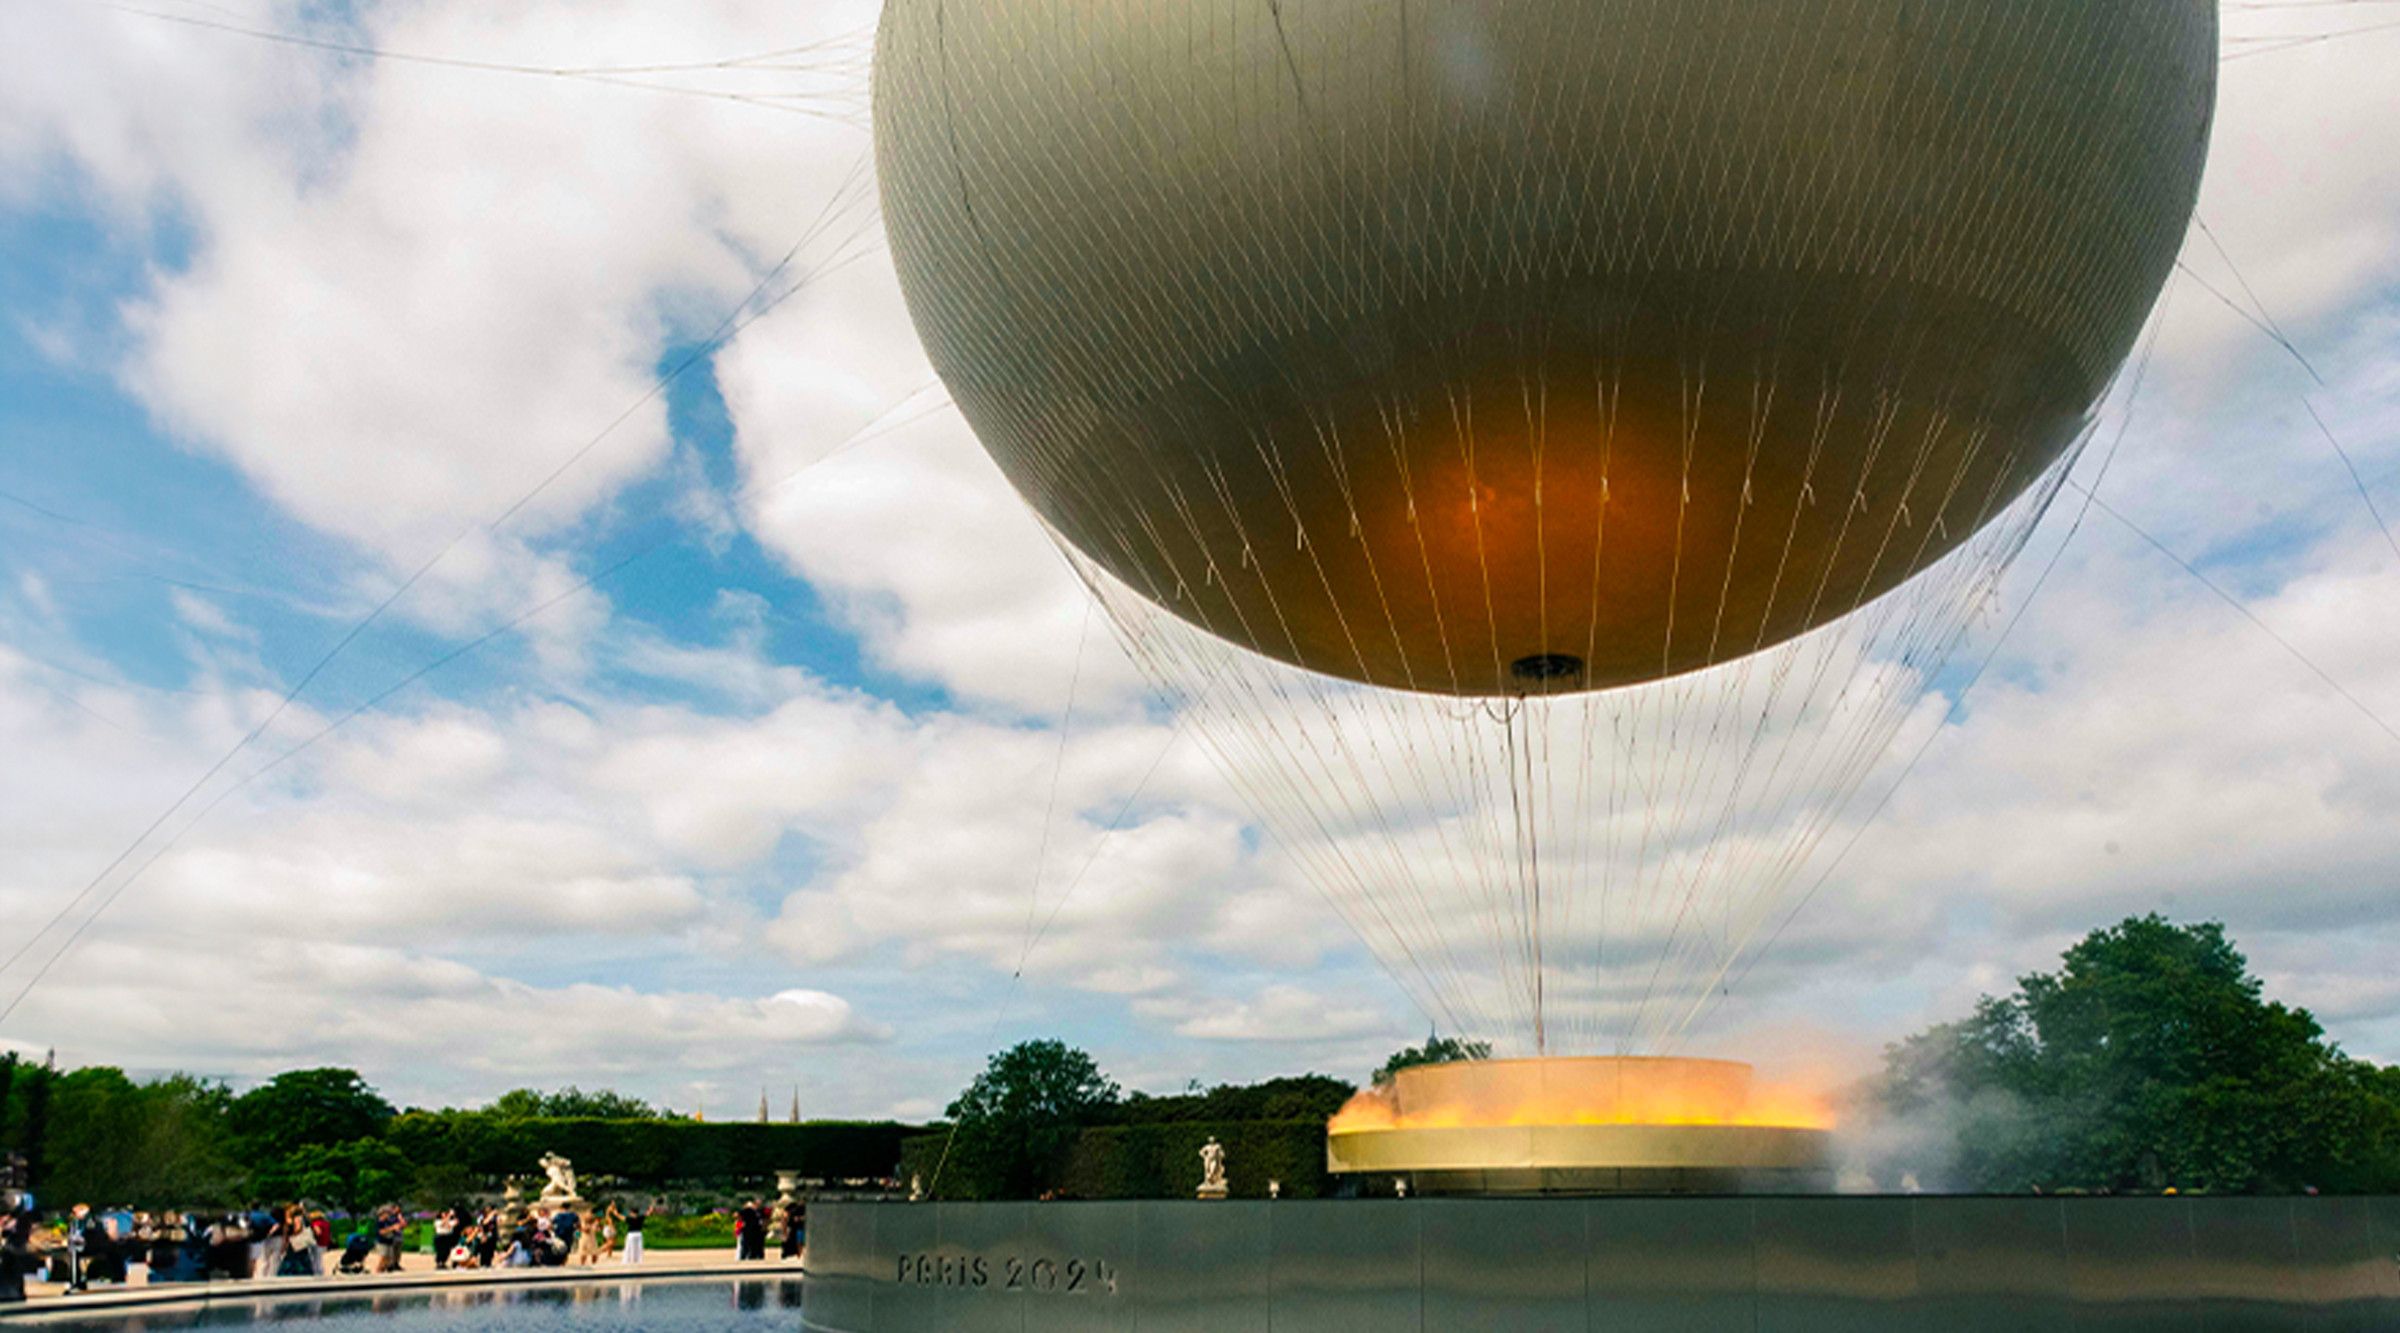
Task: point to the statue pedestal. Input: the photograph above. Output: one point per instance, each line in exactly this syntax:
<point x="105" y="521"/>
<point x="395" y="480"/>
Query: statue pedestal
<point x="1213" y="1190"/>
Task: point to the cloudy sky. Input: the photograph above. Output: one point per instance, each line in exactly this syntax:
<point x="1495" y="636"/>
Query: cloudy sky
<point x="745" y="775"/>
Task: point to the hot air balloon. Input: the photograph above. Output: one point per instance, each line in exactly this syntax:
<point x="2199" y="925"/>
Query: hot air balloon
<point x="1551" y="445"/>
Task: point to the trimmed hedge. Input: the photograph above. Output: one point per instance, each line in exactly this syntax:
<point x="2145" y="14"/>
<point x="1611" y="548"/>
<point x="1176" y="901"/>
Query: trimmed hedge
<point x="1162" y="1161"/>
<point x="1306" y="1097"/>
<point x="651" y="1152"/>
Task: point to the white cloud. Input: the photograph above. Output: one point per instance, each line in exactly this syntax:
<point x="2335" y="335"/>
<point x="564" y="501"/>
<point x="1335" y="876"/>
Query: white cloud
<point x="402" y="868"/>
<point x="443" y="1025"/>
<point x="937" y="562"/>
<point x="1282" y="1013"/>
<point x="2302" y="187"/>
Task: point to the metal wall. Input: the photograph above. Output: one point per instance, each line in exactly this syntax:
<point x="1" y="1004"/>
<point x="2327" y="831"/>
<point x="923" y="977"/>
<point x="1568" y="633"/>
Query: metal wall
<point x="1757" y="1265"/>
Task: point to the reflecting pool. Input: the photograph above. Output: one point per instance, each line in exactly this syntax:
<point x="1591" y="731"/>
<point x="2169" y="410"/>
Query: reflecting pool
<point x="672" y="1306"/>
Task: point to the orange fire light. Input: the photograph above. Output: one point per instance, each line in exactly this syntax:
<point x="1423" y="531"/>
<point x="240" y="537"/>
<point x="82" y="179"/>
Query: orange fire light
<point x="1596" y="1090"/>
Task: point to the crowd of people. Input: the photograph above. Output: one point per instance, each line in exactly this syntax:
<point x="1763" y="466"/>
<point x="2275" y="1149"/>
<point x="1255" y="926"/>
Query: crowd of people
<point x="289" y="1240"/>
<point x="89" y="1246"/>
<point x="543" y="1238"/>
<point x="754" y="1225"/>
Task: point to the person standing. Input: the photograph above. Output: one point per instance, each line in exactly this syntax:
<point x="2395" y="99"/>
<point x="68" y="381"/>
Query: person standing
<point x="445" y="1235"/>
<point x="587" y="1240"/>
<point x="87" y="1244"/>
<point x="487" y="1238"/>
<point x="611" y="1222"/>
<point x="633" y="1235"/>
<point x="16" y="1254"/>
<point x="264" y="1250"/>
<point x="390" y="1230"/>
<point x="300" y="1255"/>
<point x="78" y="1247"/>
<point x="566" y="1227"/>
<point x="228" y="1248"/>
<point x="191" y="1264"/>
<point x="750" y="1232"/>
<point x="795" y="1228"/>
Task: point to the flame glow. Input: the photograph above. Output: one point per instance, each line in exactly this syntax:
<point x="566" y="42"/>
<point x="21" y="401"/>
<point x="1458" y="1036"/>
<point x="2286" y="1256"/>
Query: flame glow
<point x="1581" y="1091"/>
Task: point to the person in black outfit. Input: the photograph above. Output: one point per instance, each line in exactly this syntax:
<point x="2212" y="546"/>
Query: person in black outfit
<point x="487" y="1238"/>
<point x="750" y="1231"/>
<point x="229" y="1247"/>
<point x="89" y="1248"/>
<point x="16" y="1255"/>
<point x="563" y="1225"/>
<point x="795" y="1228"/>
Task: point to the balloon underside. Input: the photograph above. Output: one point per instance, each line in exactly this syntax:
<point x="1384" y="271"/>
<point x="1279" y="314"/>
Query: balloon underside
<point x="1494" y="350"/>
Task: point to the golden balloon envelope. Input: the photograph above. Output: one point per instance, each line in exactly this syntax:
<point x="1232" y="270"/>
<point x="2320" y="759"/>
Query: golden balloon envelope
<point x="1490" y="349"/>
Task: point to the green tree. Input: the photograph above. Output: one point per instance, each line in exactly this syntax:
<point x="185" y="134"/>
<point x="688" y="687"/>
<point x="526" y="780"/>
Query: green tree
<point x="1014" y="1123"/>
<point x="571" y="1103"/>
<point x="360" y="1175"/>
<point x="517" y="1104"/>
<point x="112" y="1140"/>
<point x="308" y="1107"/>
<point x="31" y="1121"/>
<point x="1437" y="1050"/>
<point x="2150" y="1059"/>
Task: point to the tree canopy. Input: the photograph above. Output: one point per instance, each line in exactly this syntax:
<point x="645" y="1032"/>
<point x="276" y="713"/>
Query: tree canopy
<point x="1437" y="1050"/>
<point x="1014" y="1123"/>
<point x="572" y="1103"/>
<point x="107" y="1138"/>
<point x="2150" y="1059"/>
<point x="325" y="1136"/>
<point x="302" y="1108"/>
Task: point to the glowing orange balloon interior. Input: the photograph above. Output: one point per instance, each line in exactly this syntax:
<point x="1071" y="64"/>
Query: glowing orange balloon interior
<point x="1593" y="1125"/>
<point x="1594" y="1090"/>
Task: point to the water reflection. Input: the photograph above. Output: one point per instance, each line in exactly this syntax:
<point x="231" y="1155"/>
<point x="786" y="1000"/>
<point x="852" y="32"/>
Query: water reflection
<point x="741" y="1306"/>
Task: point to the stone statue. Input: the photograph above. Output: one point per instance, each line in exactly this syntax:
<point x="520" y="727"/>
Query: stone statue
<point x="1212" y="1169"/>
<point x="916" y="1189"/>
<point x="562" y="1177"/>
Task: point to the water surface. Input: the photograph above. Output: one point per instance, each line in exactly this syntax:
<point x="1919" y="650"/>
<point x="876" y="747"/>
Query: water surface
<point x="713" y="1306"/>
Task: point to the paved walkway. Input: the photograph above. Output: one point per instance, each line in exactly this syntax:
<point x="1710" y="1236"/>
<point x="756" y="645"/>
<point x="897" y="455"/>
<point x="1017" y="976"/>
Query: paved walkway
<point x="416" y="1272"/>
